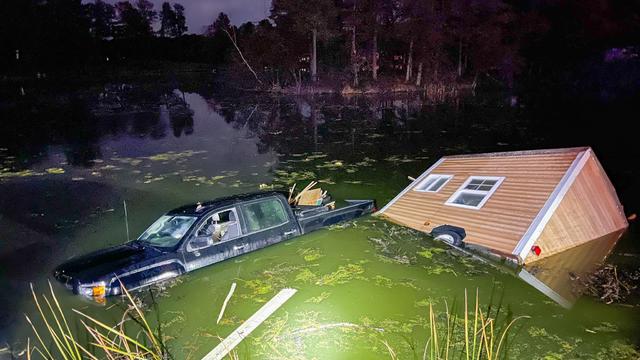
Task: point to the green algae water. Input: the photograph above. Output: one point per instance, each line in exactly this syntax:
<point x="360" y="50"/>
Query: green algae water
<point x="67" y="166"/>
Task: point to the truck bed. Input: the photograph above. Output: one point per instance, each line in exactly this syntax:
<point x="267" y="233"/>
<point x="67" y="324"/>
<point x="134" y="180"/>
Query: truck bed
<point x="313" y="218"/>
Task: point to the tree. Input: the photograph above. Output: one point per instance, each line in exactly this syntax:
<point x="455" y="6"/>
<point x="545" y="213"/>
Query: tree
<point x="218" y="26"/>
<point x="145" y="7"/>
<point x="377" y="15"/>
<point x="319" y="17"/>
<point x="101" y="17"/>
<point x="167" y="20"/>
<point x="180" y="25"/>
<point x="219" y="41"/>
<point x="130" y="22"/>
<point x="425" y="22"/>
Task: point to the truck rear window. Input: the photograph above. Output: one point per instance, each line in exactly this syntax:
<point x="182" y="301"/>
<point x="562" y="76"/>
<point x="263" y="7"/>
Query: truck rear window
<point x="264" y="214"/>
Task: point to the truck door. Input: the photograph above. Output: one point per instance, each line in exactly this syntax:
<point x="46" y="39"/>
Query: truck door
<point x="267" y="221"/>
<point x="217" y="237"/>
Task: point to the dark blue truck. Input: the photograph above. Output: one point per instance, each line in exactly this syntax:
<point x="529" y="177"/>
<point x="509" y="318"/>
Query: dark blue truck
<point x="198" y="235"/>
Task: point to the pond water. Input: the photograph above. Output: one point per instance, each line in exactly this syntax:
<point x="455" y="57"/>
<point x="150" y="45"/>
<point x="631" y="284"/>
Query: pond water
<point x="70" y="160"/>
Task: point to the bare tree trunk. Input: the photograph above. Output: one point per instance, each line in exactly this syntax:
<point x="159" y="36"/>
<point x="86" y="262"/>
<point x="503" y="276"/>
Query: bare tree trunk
<point x="409" y="62"/>
<point x="374" y="56"/>
<point x="354" y="56"/>
<point x="314" y="58"/>
<point x="435" y="73"/>
<point x="459" y="57"/>
<point x="419" y="76"/>
<point x="235" y="44"/>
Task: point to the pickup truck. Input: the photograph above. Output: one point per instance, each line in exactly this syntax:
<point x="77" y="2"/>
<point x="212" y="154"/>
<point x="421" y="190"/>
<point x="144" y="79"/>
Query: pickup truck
<point x="198" y="235"/>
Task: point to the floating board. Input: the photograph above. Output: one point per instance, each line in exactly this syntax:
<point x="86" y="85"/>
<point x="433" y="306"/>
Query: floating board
<point x="228" y="344"/>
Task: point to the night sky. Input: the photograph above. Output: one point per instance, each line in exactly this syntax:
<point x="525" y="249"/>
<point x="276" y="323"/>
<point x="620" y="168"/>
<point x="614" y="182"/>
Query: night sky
<point x="201" y="13"/>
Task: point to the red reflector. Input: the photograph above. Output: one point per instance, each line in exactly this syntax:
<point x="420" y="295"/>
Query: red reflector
<point x="536" y="250"/>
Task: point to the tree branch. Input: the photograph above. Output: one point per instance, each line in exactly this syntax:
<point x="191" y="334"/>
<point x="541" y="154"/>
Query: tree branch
<point x="235" y="44"/>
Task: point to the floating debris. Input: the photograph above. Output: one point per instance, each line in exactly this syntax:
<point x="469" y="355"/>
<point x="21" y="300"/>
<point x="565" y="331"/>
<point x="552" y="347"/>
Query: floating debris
<point x="610" y="284"/>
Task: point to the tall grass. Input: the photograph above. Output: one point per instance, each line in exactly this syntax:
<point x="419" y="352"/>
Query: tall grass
<point x="108" y="342"/>
<point x="480" y="337"/>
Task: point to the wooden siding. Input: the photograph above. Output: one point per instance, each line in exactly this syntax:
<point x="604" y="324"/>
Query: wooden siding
<point x="530" y="178"/>
<point x="589" y="210"/>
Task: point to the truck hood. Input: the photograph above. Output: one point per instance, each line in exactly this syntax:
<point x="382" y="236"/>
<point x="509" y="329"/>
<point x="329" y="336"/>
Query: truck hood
<point x="102" y="265"/>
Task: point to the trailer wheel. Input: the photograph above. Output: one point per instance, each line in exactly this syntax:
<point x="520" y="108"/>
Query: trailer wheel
<point x="452" y="235"/>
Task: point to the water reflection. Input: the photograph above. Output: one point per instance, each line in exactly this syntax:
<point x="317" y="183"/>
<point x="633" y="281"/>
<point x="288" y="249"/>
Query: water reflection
<point x="160" y="148"/>
<point x="561" y="277"/>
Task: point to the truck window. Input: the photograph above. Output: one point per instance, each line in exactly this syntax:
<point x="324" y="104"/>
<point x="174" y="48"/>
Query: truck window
<point x="264" y="214"/>
<point x="220" y="226"/>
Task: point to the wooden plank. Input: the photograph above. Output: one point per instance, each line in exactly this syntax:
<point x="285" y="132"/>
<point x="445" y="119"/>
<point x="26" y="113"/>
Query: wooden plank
<point x="231" y="341"/>
<point x="311" y="197"/>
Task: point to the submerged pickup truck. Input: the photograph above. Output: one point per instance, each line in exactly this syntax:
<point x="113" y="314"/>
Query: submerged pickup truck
<point x="198" y="235"/>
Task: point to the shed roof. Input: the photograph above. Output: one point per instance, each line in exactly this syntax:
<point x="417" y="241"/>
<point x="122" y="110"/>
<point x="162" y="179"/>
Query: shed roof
<point x="573" y="150"/>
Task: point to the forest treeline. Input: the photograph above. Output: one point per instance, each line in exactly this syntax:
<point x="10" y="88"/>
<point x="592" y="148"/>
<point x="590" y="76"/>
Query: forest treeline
<point x="353" y="42"/>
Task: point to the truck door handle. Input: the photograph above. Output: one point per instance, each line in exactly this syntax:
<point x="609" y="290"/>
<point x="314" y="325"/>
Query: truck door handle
<point x="239" y="247"/>
<point x="287" y="233"/>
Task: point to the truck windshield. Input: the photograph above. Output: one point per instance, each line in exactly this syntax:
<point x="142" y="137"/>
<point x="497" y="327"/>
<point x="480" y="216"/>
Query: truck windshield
<point x="167" y="230"/>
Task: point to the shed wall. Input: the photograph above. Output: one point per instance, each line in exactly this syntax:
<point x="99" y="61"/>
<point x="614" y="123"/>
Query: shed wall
<point x="589" y="210"/>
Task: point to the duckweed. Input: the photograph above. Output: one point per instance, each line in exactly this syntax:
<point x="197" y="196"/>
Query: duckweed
<point x="306" y="275"/>
<point x="56" y="170"/>
<point x="318" y="299"/>
<point x="343" y="275"/>
<point x="310" y="254"/>
<point x="383" y="281"/>
<point x="428" y="253"/>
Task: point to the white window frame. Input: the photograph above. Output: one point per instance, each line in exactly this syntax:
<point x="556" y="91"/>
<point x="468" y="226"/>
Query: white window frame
<point x="487" y="194"/>
<point x="429" y="177"/>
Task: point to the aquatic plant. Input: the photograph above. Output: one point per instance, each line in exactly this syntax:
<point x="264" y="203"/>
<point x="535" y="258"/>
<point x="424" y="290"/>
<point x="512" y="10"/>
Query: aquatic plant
<point x="481" y="336"/>
<point x="343" y="275"/>
<point x="116" y="342"/>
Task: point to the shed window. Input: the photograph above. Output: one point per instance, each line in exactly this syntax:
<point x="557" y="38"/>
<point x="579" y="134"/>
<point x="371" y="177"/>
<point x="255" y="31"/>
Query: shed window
<point x="433" y="183"/>
<point x="475" y="192"/>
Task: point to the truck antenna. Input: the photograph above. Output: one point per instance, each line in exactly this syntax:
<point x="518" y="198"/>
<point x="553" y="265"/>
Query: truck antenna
<point x="126" y="218"/>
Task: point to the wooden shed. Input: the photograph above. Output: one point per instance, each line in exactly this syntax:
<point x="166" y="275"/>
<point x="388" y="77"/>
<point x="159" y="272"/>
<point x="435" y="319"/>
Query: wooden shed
<point x="523" y="205"/>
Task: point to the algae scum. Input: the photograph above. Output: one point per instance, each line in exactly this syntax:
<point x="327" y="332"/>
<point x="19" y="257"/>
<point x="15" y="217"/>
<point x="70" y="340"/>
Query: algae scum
<point x="360" y="284"/>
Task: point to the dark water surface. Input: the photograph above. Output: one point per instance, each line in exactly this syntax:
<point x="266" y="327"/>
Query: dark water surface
<point x="69" y="161"/>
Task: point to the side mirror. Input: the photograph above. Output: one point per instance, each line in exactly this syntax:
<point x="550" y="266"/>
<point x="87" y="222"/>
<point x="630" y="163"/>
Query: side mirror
<point x="199" y="242"/>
